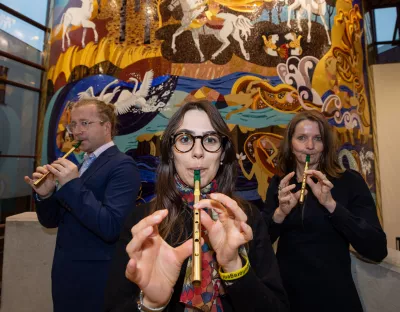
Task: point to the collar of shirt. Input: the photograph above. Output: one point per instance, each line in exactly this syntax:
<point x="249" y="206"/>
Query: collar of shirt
<point x="100" y="150"/>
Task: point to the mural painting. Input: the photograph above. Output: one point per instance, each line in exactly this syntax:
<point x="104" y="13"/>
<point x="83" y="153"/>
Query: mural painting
<point x="259" y="62"/>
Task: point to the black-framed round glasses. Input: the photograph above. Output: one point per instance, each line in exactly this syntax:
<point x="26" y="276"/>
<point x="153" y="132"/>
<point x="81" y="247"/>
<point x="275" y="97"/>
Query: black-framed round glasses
<point x="184" y="141"/>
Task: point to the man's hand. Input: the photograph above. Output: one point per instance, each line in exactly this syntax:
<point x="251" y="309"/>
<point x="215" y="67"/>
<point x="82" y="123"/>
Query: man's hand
<point x="63" y="170"/>
<point x="47" y="187"/>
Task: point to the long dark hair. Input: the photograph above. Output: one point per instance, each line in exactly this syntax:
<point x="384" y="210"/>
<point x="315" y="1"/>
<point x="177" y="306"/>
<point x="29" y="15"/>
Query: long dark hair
<point x="167" y="195"/>
<point x="328" y="162"/>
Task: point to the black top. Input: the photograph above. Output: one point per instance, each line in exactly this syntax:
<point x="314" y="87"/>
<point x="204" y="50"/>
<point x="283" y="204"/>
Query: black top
<point x="313" y="248"/>
<point x="260" y="289"/>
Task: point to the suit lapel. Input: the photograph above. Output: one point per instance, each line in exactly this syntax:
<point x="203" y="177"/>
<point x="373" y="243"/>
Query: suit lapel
<point x="99" y="162"/>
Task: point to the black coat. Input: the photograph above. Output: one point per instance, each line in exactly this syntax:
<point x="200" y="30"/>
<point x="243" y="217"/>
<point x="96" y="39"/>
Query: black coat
<point x="313" y="250"/>
<point x="259" y="290"/>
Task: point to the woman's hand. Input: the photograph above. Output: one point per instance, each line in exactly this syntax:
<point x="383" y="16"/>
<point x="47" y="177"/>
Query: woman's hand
<point x="321" y="189"/>
<point x="154" y="265"/>
<point x="287" y="199"/>
<point x="227" y="233"/>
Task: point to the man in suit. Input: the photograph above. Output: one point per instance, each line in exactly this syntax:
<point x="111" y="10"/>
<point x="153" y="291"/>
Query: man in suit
<point x="88" y="205"/>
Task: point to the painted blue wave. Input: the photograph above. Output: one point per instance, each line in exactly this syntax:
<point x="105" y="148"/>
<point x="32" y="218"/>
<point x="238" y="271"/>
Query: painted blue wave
<point x="223" y="84"/>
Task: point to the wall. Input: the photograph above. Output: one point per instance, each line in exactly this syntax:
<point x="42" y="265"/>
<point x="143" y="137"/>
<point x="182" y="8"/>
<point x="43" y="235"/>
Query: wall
<point x="387" y="93"/>
<point x="252" y="59"/>
<point x="28" y="257"/>
<point x="378" y="284"/>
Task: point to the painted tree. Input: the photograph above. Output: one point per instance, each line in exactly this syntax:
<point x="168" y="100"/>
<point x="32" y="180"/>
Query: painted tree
<point x="149" y="15"/>
<point x="269" y="6"/>
<point x="122" y="21"/>
<point x="330" y="8"/>
<point x="279" y="8"/>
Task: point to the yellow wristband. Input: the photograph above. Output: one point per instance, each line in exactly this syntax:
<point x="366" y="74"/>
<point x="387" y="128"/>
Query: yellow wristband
<point x="235" y="274"/>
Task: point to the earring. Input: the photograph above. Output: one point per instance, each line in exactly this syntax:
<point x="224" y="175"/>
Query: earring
<point x="221" y="163"/>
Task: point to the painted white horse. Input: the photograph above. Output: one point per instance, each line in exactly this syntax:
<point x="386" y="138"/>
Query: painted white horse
<point x="77" y="17"/>
<point x="318" y="7"/>
<point x="237" y="26"/>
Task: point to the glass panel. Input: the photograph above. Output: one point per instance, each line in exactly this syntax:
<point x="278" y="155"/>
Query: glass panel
<point x="22" y="30"/>
<point x="385" y="47"/>
<point x="388" y="53"/>
<point x="12" y="172"/>
<point x="18" y="72"/>
<point x="37" y="12"/>
<point x="385" y="21"/>
<point x="13" y="206"/>
<point x="15" y="194"/>
<point x="367" y="27"/>
<point x="19" y="48"/>
<point x="18" y="120"/>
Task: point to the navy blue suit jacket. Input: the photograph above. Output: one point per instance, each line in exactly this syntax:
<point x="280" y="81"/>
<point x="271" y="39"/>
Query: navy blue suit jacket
<point x="89" y="212"/>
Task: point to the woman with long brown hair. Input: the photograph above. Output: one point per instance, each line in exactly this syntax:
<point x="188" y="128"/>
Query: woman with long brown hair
<point x="151" y="269"/>
<point x="314" y="236"/>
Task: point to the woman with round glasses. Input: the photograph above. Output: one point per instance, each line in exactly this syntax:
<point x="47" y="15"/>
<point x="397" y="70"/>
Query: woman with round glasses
<point x="151" y="269"/>
<point x="184" y="141"/>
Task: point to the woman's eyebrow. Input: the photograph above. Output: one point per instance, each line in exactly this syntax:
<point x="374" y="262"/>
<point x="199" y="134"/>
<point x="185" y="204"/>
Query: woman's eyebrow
<point x="185" y="131"/>
<point x="193" y="133"/>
